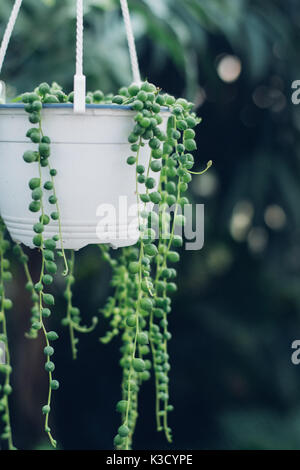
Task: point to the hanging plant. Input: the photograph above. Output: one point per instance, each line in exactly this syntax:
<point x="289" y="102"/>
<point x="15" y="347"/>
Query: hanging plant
<point x="51" y="182"/>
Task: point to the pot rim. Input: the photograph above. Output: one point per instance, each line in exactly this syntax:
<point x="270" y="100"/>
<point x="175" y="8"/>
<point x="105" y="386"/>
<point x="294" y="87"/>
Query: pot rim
<point x="70" y="106"/>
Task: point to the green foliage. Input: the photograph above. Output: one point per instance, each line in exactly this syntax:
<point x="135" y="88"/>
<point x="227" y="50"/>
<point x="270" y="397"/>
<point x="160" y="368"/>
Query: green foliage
<point x="179" y="32"/>
<point x="143" y="283"/>
<point x="142" y="279"/>
<point x="249" y="301"/>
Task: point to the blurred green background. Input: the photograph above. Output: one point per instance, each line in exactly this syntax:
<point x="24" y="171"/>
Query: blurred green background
<point x="237" y="309"/>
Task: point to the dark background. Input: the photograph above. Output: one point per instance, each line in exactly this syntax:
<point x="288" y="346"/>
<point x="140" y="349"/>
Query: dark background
<point x="237" y="309"/>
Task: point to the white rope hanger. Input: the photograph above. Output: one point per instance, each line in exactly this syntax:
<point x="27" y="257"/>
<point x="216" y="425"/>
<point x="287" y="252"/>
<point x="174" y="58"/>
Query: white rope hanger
<point x="131" y="43"/>
<point x="79" y="78"/>
<point x="9" y="30"/>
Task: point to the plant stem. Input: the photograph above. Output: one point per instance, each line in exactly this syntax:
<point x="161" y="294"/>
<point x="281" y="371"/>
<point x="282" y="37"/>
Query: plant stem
<point x="47" y="429"/>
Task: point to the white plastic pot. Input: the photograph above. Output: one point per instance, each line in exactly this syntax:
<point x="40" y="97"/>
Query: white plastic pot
<point x="89" y="152"/>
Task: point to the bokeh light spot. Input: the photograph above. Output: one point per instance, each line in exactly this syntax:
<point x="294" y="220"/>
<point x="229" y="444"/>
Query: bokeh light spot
<point x="229" y="68"/>
<point x="275" y="217"/>
<point x="241" y="220"/>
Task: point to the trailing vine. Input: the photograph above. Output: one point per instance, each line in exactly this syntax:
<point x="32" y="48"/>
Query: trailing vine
<point x="73" y="318"/>
<point x="5" y="366"/>
<point x="143" y="275"/>
<point x="144" y="279"/>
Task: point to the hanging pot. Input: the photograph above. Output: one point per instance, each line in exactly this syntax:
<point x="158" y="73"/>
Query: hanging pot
<point x="94" y="184"/>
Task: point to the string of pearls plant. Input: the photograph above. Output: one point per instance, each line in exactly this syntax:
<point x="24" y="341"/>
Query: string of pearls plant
<point x="143" y="276"/>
